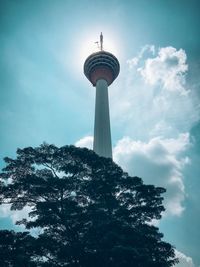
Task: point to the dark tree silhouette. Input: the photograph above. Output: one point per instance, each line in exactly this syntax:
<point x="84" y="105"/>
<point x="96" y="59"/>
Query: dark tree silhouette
<point x="16" y="249"/>
<point x="90" y="212"/>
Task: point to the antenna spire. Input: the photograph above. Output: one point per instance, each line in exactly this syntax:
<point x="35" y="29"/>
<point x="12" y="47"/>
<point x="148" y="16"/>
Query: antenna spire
<point x="101" y="41"/>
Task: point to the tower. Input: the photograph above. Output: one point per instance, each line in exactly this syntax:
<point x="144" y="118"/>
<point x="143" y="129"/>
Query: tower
<point x="101" y="69"/>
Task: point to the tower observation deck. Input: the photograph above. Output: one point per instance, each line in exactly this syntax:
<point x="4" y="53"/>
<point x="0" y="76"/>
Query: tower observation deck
<point x="101" y="69"/>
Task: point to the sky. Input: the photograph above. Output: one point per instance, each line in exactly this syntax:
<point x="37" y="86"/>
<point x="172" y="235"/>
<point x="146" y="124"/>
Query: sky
<point x="154" y="103"/>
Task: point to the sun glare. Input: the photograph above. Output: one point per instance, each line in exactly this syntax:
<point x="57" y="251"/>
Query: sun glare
<point x="87" y="43"/>
<point x="92" y="45"/>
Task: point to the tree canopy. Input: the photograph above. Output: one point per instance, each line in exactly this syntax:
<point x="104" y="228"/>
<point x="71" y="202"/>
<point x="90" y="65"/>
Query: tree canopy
<point x="90" y="212"/>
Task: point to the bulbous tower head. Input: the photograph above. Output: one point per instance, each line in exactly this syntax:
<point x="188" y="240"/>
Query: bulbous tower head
<point x="101" y="65"/>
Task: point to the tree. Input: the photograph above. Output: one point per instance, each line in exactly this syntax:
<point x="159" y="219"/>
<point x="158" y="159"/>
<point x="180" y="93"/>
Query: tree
<point x="16" y="249"/>
<point x="91" y="212"/>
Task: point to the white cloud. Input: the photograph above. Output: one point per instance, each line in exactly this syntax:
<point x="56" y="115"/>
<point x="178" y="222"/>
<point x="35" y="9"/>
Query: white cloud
<point x="158" y="162"/>
<point x="14" y="215"/>
<point x="147" y="49"/>
<point x="184" y="261"/>
<point x="86" y="141"/>
<point x="168" y="68"/>
<point x="153" y="97"/>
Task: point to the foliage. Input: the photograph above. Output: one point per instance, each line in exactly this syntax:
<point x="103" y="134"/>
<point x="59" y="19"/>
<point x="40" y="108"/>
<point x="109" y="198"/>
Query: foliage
<point x="91" y="212"/>
<point x="16" y="249"/>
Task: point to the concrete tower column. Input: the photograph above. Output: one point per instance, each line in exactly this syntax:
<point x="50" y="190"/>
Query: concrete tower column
<point x="102" y="135"/>
<point x="101" y="69"/>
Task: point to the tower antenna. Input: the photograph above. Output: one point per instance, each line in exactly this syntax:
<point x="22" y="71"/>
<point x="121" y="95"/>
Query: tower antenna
<point x="101" y="41"/>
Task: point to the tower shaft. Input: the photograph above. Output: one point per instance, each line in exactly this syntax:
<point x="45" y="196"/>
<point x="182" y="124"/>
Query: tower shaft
<point x="101" y="69"/>
<point x="102" y="134"/>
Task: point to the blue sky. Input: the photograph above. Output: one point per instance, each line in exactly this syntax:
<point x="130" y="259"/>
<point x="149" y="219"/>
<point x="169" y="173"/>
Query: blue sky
<point x="154" y="103"/>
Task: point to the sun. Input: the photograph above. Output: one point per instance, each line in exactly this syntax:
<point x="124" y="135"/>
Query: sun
<point x="92" y="44"/>
<point x="88" y="42"/>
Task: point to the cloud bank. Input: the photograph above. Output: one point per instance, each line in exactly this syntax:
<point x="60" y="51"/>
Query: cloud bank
<point x="184" y="261"/>
<point x="157" y="99"/>
<point x="168" y="68"/>
<point x="12" y="214"/>
<point x="158" y="162"/>
<point x="86" y="141"/>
